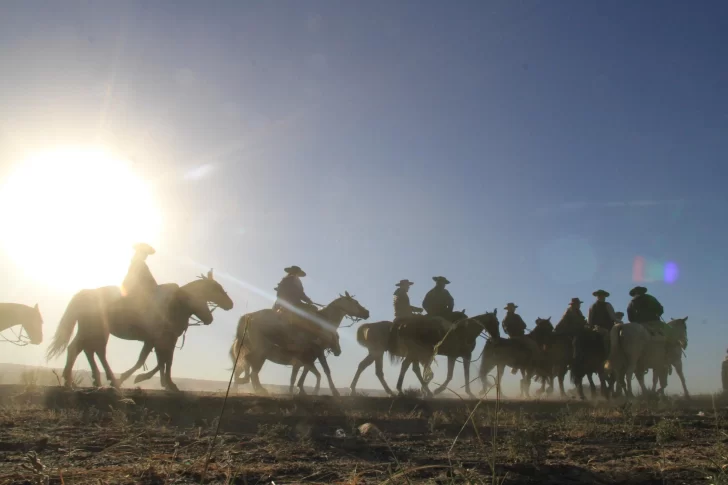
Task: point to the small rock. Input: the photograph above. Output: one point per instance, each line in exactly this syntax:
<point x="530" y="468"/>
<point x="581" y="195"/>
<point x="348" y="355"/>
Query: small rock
<point x="369" y="428"/>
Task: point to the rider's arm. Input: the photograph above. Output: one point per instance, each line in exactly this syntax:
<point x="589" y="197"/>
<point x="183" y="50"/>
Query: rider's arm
<point x="610" y="310"/>
<point x="450" y="302"/>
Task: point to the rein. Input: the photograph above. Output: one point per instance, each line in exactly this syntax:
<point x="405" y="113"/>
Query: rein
<point x="196" y="322"/>
<point x="20" y="339"/>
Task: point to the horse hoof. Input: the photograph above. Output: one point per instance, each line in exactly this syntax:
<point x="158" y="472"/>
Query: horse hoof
<point x="335" y="393"/>
<point x="138" y="379"/>
<point x="352" y="392"/>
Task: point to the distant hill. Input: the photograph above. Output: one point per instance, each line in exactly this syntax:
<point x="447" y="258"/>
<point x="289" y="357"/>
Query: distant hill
<point x="51" y="376"/>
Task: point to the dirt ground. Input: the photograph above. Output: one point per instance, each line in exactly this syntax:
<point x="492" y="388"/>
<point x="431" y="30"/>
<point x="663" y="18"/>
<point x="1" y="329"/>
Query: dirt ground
<point x="50" y="435"/>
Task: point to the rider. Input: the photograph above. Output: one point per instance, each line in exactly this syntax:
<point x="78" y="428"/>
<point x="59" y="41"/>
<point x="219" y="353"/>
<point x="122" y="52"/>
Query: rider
<point x="601" y="313"/>
<point x="402" y="307"/>
<point x="139" y="280"/>
<point x="643" y="308"/>
<point x="573" y="319"/>
<point x="290" y="296"/>
<point x="438" y="301"/>
<point x="290" y="291"/>
<point x="513" y="324"/>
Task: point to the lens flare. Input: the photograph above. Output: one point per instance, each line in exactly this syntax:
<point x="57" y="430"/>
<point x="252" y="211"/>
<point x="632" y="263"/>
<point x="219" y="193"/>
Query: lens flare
<point x="671" y="272"/>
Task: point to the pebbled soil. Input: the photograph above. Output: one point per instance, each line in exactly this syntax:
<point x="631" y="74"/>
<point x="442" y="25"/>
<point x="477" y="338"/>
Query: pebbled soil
<point x="153" y="437"/>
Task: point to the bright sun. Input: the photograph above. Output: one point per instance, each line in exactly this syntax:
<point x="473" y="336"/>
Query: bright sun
<point x="69" y="217"/>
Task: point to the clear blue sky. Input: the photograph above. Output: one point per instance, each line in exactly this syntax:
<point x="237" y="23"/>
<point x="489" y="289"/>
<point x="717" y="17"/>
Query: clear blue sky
<point x="528" y="151"/>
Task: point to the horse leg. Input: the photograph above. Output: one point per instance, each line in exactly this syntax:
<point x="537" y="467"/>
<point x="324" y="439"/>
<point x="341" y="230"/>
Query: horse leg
<point x="655" y="377"/>
<point x="562" y="374"/>
<point x="450" y="371"/>
<point x="592" y="387"/>
<point x="402" y="371"/>
<point x="311" y="368"/>
<point x="423" y="384"/>
<point x="71" y="355"/>
<point x="254" y="378"/>
<point x="95" y="374"/>
<point x="168" y="369"/>
<point x="679" y="369"/>
<point x="146" y="350"/>
<point x="294" y="374"/>
<point x="379" y="371"/>
<point x="327" y="371"/>
<point x="107" y="368"/>
<point x="466" y="372"/>
<point x="366" y="362"/>
<point x="500" y="368"/>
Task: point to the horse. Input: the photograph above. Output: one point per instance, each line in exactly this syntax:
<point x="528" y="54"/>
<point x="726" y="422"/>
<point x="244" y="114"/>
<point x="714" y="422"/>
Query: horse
<point x="674" y="359"/>
<point x="29" y="318"/>
<point x="260" y="337"/>
<point x="206" y="293"/>
<point x="590" y="354"/>
<point x="102" y="312"/>
<point x="375" y="337"/>
<point x="520" y="354"/>
<point x="634" y="350"/>
<point x="558" y="351"/>
<point x="416" y="342"/>
<point x="458" y="342"/>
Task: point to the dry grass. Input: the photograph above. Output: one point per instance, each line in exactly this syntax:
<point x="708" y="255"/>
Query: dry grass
<point x="155" y="438"/>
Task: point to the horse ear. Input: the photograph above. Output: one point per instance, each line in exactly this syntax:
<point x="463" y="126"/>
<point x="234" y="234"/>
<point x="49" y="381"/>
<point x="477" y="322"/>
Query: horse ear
<point x="549" y="319"/>
<point x="347" y="294"/>
<point x="209" y="275"/>
<point x="36" y="307"/>
<point x="685" y="319"/>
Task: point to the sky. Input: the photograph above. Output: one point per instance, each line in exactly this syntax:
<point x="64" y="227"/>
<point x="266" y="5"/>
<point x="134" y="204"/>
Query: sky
<point x="529" y="151"/>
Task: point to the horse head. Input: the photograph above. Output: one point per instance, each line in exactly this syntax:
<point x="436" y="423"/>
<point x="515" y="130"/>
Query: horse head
<point x="681" y="327"/>
<point x="489" y="322"/>
<point x="544" y="324"/>
<point x="208" y="289"/>
<point x="33" y="326"/>
<point x="350" y="306"/>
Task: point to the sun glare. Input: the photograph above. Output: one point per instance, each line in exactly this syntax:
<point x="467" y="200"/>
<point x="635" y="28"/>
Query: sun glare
<point x="69" y="217"/>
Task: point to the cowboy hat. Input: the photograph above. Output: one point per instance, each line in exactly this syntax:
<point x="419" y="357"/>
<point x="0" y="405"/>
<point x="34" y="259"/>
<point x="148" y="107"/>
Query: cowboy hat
<point x="601" y="293"/>
<point x="441" y="278"/>
<point x="575" y="301"/>
<point x="404" y="283"/>
<point x="295" y="270"/>
<point x="144" y="248"/>
<point x="510" y="305"/>
<point x="637" y="290"/>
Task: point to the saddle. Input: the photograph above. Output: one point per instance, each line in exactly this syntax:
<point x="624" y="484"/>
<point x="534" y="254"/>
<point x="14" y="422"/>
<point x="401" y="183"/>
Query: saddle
<point x="304" y="328"/>
<point x="151" y="308"/>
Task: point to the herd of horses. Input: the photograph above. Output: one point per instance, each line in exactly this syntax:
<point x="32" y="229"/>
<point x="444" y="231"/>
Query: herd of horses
<point x="546" y="354"/>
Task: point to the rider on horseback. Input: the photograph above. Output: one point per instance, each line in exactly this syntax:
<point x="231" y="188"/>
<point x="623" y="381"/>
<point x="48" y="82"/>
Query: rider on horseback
<point x="601" y="313"/>
<point x="643" y="308"/>
<point x="139" y="280"/>
<point x="293" y="302"/>
<point x="438" y="301"/>
<point x="513" y="324"/>
<point x="573" y="320"/>
<point x="402" y="307"/>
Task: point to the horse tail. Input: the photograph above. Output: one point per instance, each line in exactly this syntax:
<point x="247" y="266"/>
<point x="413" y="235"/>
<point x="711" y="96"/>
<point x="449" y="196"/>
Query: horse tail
<point x="362" y="334"/>
<point x="615" y="335"/>
<point x="65" y="329"/>
<point x="392" y="345"/>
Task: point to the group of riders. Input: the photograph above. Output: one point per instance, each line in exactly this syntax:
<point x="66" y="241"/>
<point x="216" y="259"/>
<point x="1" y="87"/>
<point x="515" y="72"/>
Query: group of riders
<point x="438" y="304"/>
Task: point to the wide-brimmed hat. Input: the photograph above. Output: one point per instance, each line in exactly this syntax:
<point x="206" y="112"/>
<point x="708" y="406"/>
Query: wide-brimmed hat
<point x="510" y="305"/>
<point x="637" y="290"/>
<point x="144" y="248"/>
<point x="295" y="270"/>
<point x="575" y="301"/>
<point x="601" y="293"/>
<point x="619" y="315"/>
<point x="437" y="279"/>
<point x="404" y="283"/>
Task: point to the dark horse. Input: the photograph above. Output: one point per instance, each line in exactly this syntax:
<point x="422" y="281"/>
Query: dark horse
<point x="102" y="312"/>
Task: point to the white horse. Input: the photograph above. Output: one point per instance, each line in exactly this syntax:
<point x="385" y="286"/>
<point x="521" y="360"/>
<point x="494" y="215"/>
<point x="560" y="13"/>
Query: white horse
<point x="29" y="318"/>
<point x="634" y="350"/>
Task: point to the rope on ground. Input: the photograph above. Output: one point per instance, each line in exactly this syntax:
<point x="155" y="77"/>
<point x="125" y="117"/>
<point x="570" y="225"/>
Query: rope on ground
<point x="224" y="402"/>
